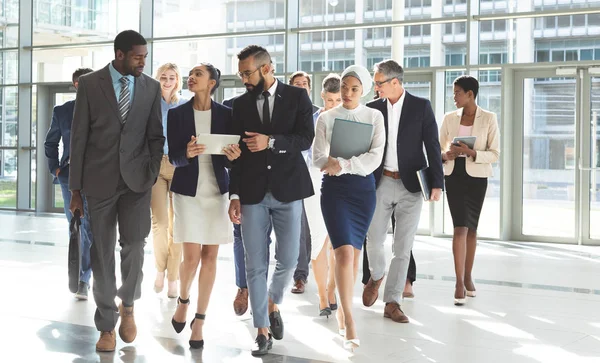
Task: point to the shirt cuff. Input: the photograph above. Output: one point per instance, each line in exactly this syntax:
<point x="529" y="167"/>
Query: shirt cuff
<point x="345" y="165"/>
<point x="234" y="197"/>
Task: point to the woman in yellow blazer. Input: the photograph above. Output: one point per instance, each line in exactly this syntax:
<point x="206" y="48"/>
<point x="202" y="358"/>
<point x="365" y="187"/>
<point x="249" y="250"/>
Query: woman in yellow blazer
<point x="466" y="172"/>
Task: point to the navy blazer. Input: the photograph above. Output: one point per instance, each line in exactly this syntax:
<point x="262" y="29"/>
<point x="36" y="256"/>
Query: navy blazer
<point x="417" y="128"/>
<point x="60" y="128"/>
<point x="180" y="128"/>
<point x="282" y="169"/>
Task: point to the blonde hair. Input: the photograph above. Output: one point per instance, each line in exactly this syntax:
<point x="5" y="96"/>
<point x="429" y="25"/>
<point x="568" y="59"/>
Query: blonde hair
<point x="173" y="67"/>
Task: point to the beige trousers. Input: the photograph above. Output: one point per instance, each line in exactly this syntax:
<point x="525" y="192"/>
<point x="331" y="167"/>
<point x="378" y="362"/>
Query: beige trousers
<point x="166" y="253"/>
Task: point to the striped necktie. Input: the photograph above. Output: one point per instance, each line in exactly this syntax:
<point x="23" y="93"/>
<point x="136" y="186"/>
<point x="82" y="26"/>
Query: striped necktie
<point x="124" y="99"/>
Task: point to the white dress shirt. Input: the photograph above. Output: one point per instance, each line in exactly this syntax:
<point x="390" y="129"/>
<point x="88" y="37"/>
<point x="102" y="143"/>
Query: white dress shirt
<point x="394" y="112"/>
<point x="363" y="164"/>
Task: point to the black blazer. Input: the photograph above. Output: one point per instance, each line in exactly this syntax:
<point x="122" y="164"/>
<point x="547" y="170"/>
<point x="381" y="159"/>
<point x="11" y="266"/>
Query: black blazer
<point x="60" y="128"/>
<point x="180" y="128"/>
<point x="417" y="128"/>
<point x="281" y="170"/>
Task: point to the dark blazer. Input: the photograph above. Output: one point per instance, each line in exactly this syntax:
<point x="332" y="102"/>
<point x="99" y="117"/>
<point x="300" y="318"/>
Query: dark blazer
<point x="280" y="170"/>
<point x="103" y="148"/>
<point x="417" y="128"/>
<point x="60" y="128"/>
<point x="180" y="128"/>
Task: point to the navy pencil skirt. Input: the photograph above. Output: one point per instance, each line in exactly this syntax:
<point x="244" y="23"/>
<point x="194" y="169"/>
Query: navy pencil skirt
<point x="348" y="204"/>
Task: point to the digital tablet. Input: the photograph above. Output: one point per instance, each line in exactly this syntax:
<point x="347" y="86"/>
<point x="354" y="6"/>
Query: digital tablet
<point x="469" y="140"/>
<point x="215" y="143"/>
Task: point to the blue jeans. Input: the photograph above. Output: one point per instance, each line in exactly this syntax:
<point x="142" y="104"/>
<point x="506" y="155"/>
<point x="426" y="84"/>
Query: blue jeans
<point x="256" y="222"/>
<point x="238" y="256"/>
<point x="86" y="234"/>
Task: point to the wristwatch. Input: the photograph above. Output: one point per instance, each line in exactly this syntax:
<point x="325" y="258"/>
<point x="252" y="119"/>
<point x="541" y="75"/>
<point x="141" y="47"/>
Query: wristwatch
<point x="271" y="142"/>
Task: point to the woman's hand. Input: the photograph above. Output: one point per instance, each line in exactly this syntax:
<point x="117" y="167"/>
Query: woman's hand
<point x="332" y="167"/>
<point x="449" y="155"/>
<point x="194" y="149"/>
<point x="232" y="151"/>
<point x="462" y="149"/>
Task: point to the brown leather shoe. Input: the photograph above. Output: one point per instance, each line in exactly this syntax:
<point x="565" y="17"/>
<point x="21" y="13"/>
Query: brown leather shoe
<point x="127" y="329"/>
<point x="240" y="303"/>
<point x="392" y="311"/>
<point x="298" y="287"/>
<point x="107" y="342"/>
<point x="371" y="292"/>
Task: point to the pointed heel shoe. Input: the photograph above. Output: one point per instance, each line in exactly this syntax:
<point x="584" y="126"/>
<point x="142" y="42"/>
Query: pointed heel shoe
<point x="325" y="312"/>
<point x="197" y="344"/>
<point x="351" y="344"/>
<point x="177" y="325"/>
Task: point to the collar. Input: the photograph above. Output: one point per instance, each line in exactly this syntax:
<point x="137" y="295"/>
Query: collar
<point x="399" y="104"/>
<point x="116" y="75"/>
<point x="273" y="88"/>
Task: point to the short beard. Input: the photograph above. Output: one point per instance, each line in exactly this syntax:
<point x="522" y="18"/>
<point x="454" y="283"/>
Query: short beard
<point x="259" y="88"/>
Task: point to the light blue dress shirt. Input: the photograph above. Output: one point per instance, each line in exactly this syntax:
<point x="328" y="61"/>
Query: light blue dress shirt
<point x="165" y="107"/>
<point x="116" y="81"/>
<point x="307" y="154"/>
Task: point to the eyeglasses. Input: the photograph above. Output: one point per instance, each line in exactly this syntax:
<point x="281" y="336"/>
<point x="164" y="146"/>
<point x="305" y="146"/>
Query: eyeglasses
<point x="379" y="84"/>
<point x="248" y="74"/>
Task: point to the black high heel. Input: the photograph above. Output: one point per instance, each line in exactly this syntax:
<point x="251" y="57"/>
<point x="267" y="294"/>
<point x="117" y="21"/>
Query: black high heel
<point x="177" y="325"/>
<point x="197" y="344"/>
<point x="333" y="307"/>
<point x="325" y="312"/>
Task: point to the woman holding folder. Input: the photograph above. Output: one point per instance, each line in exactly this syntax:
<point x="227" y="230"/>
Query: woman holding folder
<point x="466" y="170"/>
<point x="348" y="188"/>
<point x="200" y="186"/>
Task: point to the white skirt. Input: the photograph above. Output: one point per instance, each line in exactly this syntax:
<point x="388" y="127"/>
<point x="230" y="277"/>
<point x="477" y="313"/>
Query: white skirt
<point x="318" y="231"/>
<point x="202" y="219"/>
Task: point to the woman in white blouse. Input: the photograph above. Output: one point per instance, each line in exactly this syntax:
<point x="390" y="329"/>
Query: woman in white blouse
<point x="466" y="172"/>
<point x="348" y="189"/>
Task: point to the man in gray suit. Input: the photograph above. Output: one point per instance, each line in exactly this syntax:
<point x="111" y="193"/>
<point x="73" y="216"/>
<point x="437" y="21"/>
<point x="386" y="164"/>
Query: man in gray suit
<point x="116" y="149"/>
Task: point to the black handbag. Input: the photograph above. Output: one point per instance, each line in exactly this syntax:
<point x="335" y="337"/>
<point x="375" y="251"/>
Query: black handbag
<point x="74" y="251"/>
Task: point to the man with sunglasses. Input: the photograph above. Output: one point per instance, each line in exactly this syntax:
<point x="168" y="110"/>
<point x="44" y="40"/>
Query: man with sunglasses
<point x="268" y="183"/>
<point x="409" y="124"/>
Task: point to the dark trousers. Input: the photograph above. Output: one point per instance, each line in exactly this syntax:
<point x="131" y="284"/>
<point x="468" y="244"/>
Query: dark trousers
<point x="412" y="267"/>
<point x="301" y="272"/>
<point x="132" y="213"/>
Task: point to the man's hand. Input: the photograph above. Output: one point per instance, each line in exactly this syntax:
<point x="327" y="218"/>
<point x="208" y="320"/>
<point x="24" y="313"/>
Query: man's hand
<point x="194" y="149"/>
<point x="232" y="152"/>
<point x="462" y="149"/>
<point x="436" y="194"/>
<point x="57" y="172"/>
<point x="76" y="202"/>
<point x="235" y="211"/>
<point x="256" y="142"/>
<point x="332" y="167"/>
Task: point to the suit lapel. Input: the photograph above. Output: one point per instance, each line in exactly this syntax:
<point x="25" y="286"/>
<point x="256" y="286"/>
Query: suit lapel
<point x="139" y="90"/>
<point x="107" y="88"/>
<point x="253" y="112"/>
<point x="278" y="107"/>
<point x="188" y="117"/>
<point x="404" y="113"/>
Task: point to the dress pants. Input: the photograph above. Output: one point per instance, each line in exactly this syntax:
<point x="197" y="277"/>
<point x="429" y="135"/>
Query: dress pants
<point x="302" y="269"/>
<point x="85" y="271"/>
<point x="131" y="211"/>
<point x="256" y="219"/>
<point x="239" y="258"/>
<point x="392" y="197"/>
<point x="167" y="255"/>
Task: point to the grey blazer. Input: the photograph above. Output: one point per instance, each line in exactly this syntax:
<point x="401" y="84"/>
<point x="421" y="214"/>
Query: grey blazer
<point x="103" y="149"/>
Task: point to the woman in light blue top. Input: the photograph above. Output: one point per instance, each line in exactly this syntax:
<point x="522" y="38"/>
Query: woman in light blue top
<point x="167" y="255"/>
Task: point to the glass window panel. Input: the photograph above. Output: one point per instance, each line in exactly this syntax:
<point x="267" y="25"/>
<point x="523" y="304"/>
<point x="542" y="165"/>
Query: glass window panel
<point x="9" y="64"/>
<point x="595" y="158"/>
<point x="587" y="54"/>
<point x="503" y="6"/>
<point x="579" y="20"/>
<point x="485" y="26"/>
<point x="8" y="178"/>
<point x="58" y="65"/>
<point x="9" y="30"/>
<point x="593" y="19"/>
<point x="65" y="21"/>
<point x="564" y="21"/>
<point x="324" y="12"/>
<point x="8" y="115"/>
<point x="191" y="17"/>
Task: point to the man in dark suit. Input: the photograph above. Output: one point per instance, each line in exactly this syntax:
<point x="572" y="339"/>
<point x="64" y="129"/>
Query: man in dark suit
<point x="116" y="149"/>
<point x="60" y="128"/>
<point x="268" y="183"/>
<point x="409" y="125"/>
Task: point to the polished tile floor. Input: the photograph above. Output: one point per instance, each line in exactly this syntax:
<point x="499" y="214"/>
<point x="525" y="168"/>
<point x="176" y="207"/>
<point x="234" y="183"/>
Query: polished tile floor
<point x="535" y="303"/>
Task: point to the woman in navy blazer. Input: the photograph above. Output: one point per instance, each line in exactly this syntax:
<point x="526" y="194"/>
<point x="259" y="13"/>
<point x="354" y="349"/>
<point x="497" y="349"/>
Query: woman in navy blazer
<point x="200" y="187"/>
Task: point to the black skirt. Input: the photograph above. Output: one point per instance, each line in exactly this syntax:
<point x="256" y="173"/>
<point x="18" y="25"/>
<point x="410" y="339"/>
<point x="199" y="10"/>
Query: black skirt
<point x="465" y="195"/>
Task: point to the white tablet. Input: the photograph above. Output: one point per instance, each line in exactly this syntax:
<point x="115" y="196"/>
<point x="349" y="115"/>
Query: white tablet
<point x="215" y="143"/>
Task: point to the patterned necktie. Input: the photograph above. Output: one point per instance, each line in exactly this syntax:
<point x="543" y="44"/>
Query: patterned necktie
<point x="124" y="103"/>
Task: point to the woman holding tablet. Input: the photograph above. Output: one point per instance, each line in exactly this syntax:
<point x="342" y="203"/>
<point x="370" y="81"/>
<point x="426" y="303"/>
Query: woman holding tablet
<point x="348" y="188"/>
<point x="200" y="186"/>
<point x="467" y="170"/>
<point x="167" y="255"/>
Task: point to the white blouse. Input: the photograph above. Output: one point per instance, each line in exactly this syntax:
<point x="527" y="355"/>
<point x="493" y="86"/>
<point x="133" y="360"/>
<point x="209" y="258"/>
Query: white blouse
<point x="363" y="164"/>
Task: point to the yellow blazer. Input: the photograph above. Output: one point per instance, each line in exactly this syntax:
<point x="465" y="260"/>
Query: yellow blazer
<point x="487" y="145"/>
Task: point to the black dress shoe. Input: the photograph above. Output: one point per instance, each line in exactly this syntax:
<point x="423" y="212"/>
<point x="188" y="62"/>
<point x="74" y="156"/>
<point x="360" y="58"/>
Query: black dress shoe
<point x="262" y="345"/>
<point x="276" y="327"/>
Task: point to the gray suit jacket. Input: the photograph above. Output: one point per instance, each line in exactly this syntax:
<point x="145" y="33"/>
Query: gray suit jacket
<point x="103" y="149"/>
